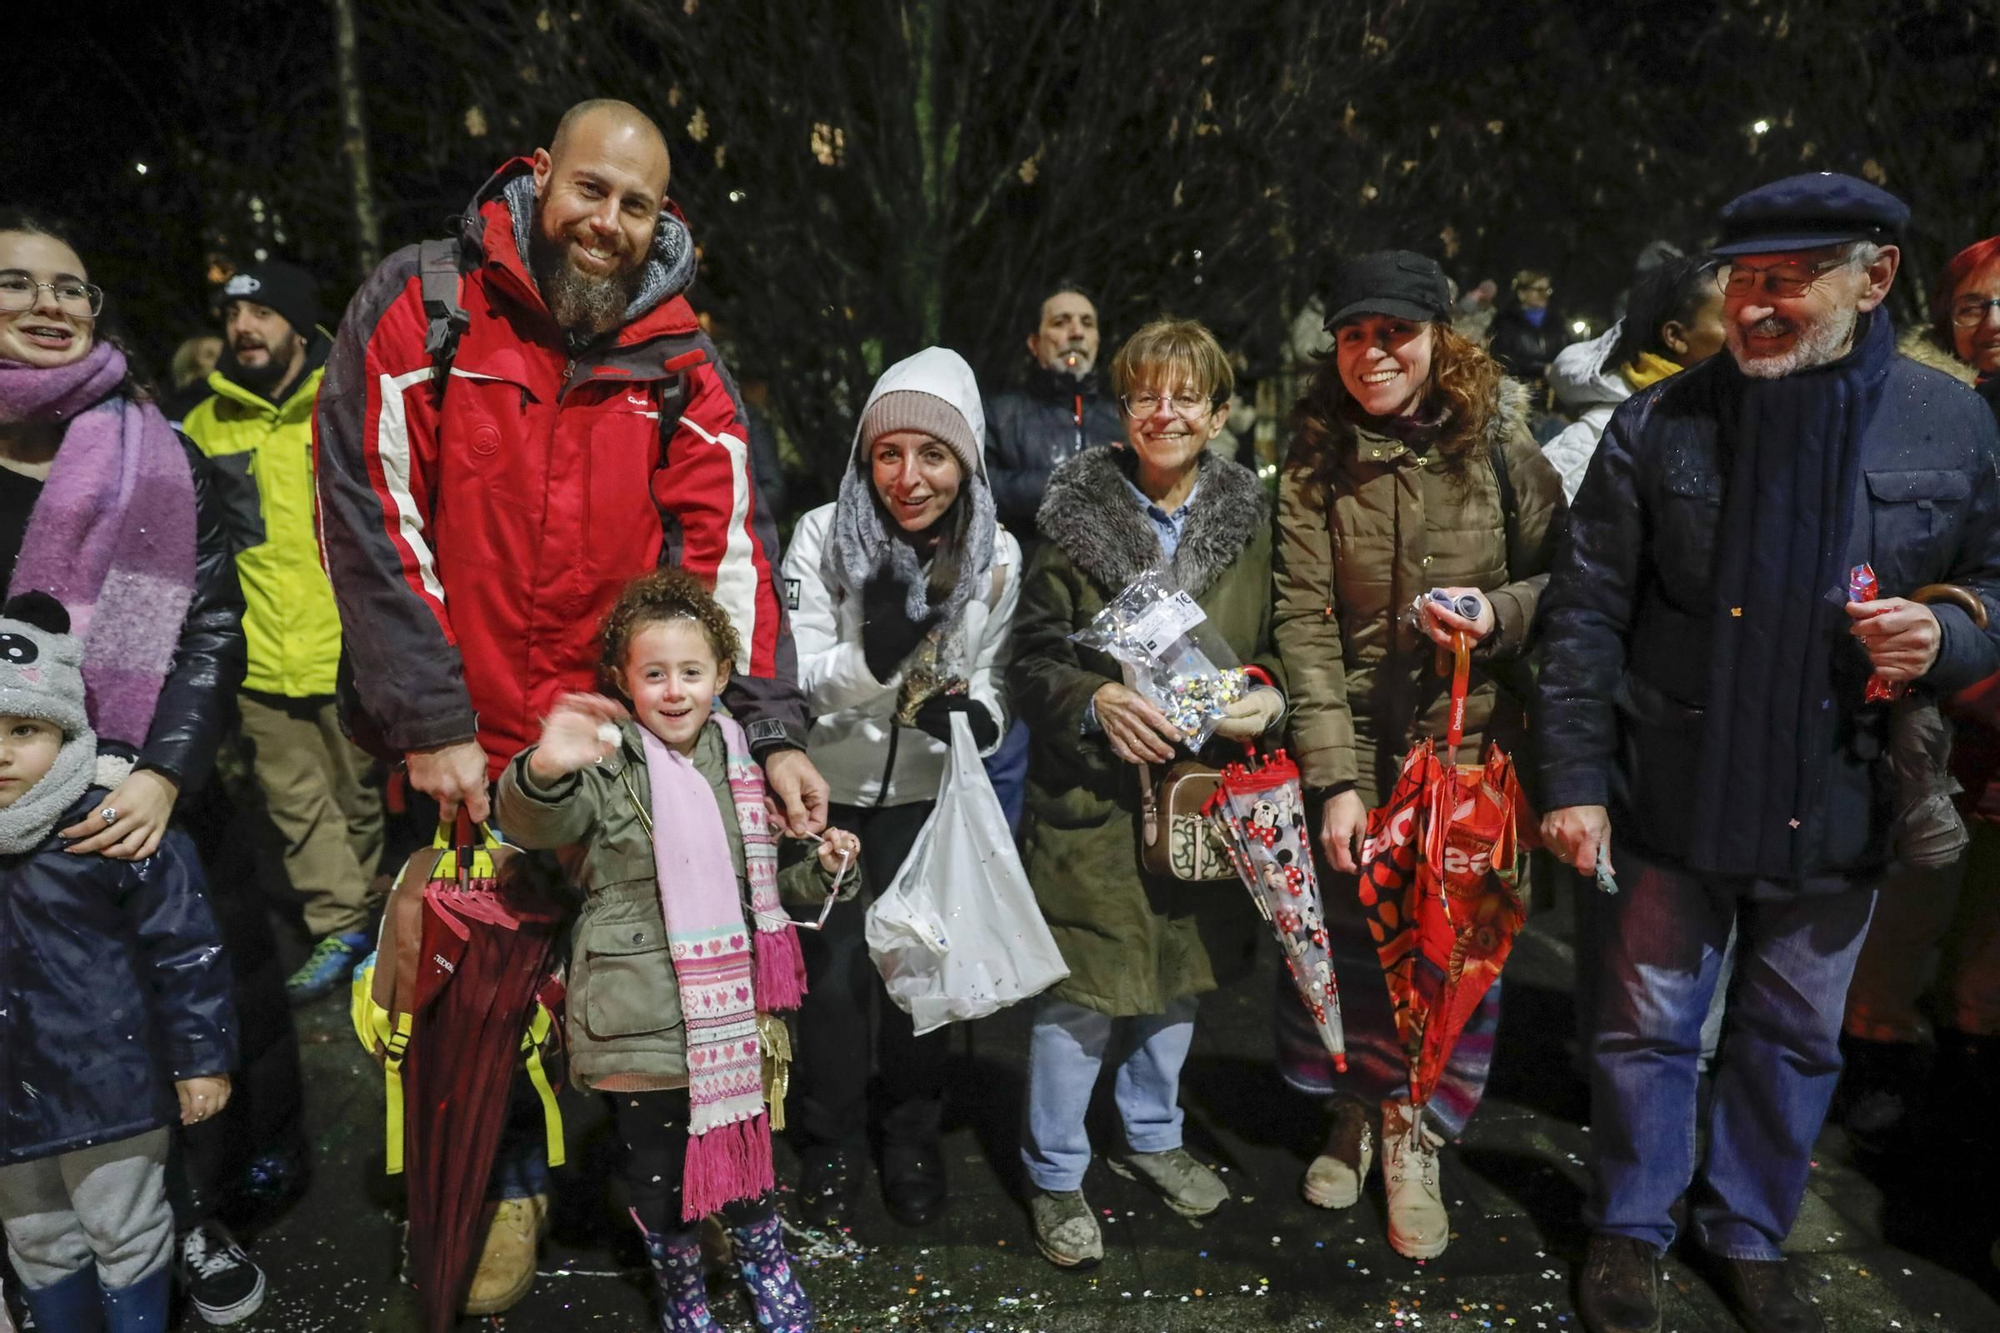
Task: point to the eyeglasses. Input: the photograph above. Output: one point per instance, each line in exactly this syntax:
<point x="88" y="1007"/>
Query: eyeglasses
<point x="1139" y="406"/>
<point x="18" y="292"/>
<point x="1971" y="313"/>
<point x="832" y="894"/>
<point x="1783" y="281"/>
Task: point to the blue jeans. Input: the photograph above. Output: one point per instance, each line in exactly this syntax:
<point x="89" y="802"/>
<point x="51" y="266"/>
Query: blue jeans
<point x="1007" y="770"/>
<point x="1662" y="943"/>
<point x="1066" y="1051"/>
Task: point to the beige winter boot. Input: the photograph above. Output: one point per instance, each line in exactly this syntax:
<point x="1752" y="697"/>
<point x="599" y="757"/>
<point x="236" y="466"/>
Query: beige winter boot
<point x="1333" y="1180"/>
<point x="1418" y="1227"/>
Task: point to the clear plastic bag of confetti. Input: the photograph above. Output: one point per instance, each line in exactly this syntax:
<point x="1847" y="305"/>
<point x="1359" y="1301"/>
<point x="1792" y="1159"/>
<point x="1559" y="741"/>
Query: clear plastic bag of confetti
<point x="1170" y="654"/>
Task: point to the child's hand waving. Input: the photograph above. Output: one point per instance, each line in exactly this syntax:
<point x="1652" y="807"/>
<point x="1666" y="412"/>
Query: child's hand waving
<point x="573" y="735"/>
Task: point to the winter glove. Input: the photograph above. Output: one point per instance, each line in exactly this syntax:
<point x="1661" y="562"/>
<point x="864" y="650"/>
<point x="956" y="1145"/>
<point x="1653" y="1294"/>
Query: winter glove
<point x="934" y="718"/>
<point x="888" y="635"/>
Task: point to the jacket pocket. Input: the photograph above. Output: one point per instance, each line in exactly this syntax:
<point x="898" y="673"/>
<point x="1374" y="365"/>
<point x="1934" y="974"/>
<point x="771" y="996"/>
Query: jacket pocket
<point x="1660" y="746"/>
<point x="628" y="982"/>
<point x="1690" y="513"/>
<point x="1908" y="509"/>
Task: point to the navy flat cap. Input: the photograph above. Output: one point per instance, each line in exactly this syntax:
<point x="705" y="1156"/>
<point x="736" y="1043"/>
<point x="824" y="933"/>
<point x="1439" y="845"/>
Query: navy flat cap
<point x="1809" y="211"/>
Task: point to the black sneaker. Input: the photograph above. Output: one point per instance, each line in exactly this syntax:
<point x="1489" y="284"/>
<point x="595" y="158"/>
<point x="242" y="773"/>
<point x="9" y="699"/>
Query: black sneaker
<point x="219" y="1278"/>
<point x="913" y="1182"/>
<point x="830" y="1183"/>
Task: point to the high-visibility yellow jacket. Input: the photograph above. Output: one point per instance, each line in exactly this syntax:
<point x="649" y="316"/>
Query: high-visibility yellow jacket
<point x="265" y="453"/>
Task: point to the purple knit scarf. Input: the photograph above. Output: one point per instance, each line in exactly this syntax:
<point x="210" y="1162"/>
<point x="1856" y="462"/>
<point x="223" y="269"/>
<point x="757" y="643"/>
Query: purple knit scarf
<point x="112" y="536"/>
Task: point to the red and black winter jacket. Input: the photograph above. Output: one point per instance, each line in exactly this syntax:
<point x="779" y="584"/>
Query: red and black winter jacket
<point x="476" y="540"/>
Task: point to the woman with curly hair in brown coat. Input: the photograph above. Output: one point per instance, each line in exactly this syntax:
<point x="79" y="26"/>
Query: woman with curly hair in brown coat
<point x="1411" y="469"/>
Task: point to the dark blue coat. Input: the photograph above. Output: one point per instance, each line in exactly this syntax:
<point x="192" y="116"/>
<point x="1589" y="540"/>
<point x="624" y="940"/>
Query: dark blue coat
<point x="1625" y="633"/>
<point x="113" y="985"/>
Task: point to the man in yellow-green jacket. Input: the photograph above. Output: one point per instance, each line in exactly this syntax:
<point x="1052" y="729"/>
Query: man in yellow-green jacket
<point x="317" y="786"/>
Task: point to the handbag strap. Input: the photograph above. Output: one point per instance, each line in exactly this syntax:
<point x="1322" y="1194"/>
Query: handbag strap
<point x="1149" y="804"/>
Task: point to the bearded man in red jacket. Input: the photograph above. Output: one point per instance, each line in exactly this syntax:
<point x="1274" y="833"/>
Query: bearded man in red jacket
<point x="493" y="470"/>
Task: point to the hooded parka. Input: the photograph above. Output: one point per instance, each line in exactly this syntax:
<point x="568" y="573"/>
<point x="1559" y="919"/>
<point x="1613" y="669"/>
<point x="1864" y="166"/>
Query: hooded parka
<point x="865" y="757"/>
<point x="1352" y="556"/>
<point x="1133" y="943"/>
<point x="113" y="985"/>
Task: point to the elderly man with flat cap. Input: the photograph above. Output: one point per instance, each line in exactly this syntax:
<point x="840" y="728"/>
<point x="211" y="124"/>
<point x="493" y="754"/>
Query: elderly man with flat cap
<point x="1705" y="706"/>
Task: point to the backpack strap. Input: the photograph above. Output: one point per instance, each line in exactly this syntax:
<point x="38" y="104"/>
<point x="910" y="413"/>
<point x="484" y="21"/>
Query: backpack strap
<point x="442" y="278"/>
<point x="1510" y="519"/>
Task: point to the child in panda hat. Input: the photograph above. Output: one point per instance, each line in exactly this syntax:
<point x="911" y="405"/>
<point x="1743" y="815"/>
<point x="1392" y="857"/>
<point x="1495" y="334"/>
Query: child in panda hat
<point x="115" y="1011"/>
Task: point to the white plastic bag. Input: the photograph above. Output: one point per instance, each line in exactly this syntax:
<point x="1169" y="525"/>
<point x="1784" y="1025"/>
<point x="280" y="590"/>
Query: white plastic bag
<point x="957" y="934"/>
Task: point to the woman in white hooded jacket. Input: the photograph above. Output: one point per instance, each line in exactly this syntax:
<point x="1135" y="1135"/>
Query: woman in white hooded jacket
<point x="903" y="594"/>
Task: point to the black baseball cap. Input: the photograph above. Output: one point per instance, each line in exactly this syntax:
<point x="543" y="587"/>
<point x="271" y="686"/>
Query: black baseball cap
<point x="1400" y="283"/>
<point x="1808" y="211"/>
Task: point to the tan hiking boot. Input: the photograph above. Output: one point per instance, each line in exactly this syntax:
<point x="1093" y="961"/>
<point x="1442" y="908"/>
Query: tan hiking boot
<point x="507" y="1263"/>
<point x="1418" y="1227"/>
<point x="1333" y="1180"/>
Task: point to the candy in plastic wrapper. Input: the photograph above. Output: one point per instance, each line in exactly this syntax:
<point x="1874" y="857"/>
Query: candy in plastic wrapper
<point x="1862" y="587"/>
<point x="1170" y="654"/>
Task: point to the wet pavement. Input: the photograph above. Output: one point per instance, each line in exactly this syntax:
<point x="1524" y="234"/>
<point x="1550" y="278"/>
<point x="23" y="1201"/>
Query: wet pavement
<point x="1266" y="1260"/>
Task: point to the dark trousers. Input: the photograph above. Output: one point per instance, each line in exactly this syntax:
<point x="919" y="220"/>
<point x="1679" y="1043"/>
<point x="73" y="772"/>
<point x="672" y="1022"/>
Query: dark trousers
<point x="835" y="1051"/>
<point x="652" y="1129"/>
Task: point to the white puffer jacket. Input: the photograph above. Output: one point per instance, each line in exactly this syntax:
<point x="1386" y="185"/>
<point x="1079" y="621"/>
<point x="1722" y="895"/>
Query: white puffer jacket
<point x="868" y="760"/>
<point x="1585" y="383"/>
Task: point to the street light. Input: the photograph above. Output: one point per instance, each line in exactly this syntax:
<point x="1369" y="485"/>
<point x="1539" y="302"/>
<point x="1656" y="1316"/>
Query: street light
<point x="1760" y="127"/>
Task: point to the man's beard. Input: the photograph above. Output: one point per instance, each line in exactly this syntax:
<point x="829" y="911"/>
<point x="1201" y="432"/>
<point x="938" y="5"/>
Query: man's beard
<point x="263" y="379"/>
<point x="1816" y="344"/>
<point x="584" y="306"/>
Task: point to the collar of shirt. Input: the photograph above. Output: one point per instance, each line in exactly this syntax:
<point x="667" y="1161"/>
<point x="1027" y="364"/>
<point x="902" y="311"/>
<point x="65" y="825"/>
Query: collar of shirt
<point x="1168" y="526"/>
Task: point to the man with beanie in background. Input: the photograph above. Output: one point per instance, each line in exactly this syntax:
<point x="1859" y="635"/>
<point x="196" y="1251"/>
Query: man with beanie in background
<point x="1711" y="663"/>
<point x="317" y="787"/>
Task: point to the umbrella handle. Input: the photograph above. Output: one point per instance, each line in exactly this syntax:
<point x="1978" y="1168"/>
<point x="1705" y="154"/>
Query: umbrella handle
<point x="1461" y="680"/>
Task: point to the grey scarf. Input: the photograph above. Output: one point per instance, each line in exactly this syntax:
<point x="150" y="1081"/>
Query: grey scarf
<point x="859" y="545"/>
<point x="24" y="824"/>
<point x="669" y="267"/>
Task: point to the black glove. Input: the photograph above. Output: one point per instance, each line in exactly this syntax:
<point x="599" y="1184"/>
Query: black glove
<point x="934" y="718"/>
<point x="888" y="635"/>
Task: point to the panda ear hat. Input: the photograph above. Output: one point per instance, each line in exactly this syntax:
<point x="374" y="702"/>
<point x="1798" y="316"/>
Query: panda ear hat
<point x="41" y="664"/>
<point x="38" y="609"/>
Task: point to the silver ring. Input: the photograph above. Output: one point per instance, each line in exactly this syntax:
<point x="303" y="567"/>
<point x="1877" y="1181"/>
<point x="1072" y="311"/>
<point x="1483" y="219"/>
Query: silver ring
<point x="109" y="814"/>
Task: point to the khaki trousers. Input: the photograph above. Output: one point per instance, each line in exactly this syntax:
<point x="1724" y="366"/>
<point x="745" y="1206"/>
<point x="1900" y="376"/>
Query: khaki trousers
<point x="317" y="791"/>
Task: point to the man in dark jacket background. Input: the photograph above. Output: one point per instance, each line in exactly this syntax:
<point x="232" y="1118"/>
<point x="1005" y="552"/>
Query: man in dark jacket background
<point x="1704" y="692"/>
<point x="1060" y="410"/>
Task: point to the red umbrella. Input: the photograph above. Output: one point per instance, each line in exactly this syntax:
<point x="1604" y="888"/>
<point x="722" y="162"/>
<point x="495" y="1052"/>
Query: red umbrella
<point x="489" y="938"/>
<point x="1441" y="884"/>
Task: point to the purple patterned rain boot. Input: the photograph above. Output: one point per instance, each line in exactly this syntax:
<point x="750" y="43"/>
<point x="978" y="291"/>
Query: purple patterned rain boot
<point x="775" y="1294"/>
<point x="676" y="1264"/>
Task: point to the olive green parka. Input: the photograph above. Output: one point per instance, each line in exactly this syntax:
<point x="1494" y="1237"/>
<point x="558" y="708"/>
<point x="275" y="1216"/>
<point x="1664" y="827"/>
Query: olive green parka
<point x="623" y="1012"/>
<point x="1351" y="557"/>
<point x="1133" y="943"/>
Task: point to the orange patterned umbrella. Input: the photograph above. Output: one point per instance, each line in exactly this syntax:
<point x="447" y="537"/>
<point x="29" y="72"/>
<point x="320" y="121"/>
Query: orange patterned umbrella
<point x="1440" y="881"/>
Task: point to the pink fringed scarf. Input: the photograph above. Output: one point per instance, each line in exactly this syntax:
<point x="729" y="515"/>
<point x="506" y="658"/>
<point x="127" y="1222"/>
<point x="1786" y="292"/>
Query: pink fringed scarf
<point x="725" y="981"/>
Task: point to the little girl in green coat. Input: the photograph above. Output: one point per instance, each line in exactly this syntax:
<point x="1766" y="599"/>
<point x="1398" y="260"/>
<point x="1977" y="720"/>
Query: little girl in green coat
<point x="683" y="952"/>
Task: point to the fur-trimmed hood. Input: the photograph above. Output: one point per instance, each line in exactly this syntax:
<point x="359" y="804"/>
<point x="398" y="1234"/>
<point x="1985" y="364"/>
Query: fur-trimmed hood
<point x="1921" y="345"/>
<point x="1089" y="513"/>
